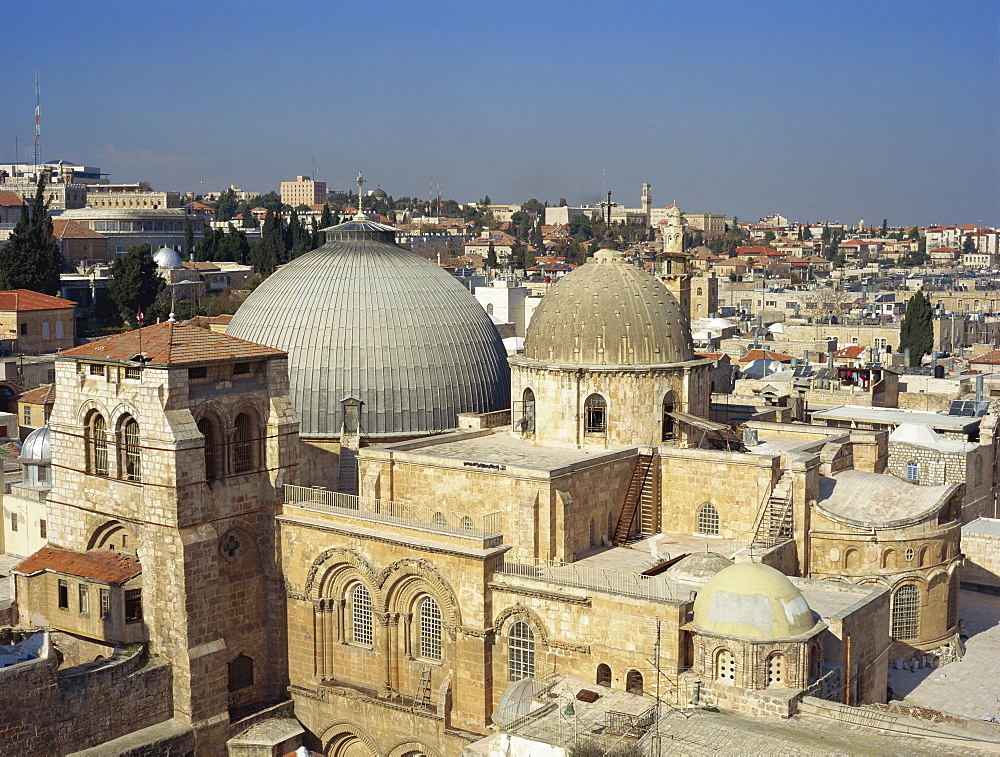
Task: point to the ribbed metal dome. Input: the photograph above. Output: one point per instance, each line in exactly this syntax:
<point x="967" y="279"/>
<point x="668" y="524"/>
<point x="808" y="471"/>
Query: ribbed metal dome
<point x="362" y="317"/>
<point x="609" y="312"/>
<point x="36" y="448"/>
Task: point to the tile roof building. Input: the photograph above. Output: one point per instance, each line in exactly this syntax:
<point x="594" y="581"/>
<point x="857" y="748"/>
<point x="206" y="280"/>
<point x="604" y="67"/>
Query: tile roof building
<point x="32" y="323"/>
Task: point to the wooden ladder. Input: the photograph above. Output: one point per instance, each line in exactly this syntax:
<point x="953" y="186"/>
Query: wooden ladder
<point x="423" y="688"/>
<point x="633" y="498"/>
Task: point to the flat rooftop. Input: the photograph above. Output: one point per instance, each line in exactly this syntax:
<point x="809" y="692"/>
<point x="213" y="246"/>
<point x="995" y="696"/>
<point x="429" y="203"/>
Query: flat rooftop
<point x="895" y="417"/>
<point x="497" y="448"/>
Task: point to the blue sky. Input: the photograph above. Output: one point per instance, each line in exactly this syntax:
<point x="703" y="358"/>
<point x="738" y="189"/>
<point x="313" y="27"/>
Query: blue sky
<point x="818" y="110"/>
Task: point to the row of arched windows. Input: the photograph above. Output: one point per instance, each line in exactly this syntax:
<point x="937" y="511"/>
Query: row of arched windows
<point x="126" y="463"/>
<point x="595" y="415"/>
<point x="428" y="622"/>
<point x="633" y="679"/>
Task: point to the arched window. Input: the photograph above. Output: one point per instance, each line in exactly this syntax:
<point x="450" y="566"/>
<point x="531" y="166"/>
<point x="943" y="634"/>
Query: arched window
<point x="668" y="420"/>
<point x="440" y="520"/>
<point x="361" y="615"/>
<point x="604" y="675"/>
<point x="46" y="331"/>
<point x="978" y="466"/>
<point x="924" y="554"/>
<point x="489" y="308"/>
<point x="528" y="418"/>
<point x="633" y="682"/>
<point x="815" y="662"/>
<point x="520" y="652"/>
<point x="725" y="666"/>
<point x="240" y="672"/>
<point x="776" y="669"/>
<point x="592" y="542"/>
<point x="708" y="520"/>
<point x="130" y="458"/>
<point x="906" y="613"/>
<point x="700" y="292"/>
<point x="912" y="471"/>
<point x="430" y="629"/>
<point x="595" y="416"/>
<point x="207" y="429"/>
<point x="852" y="559"/>
<point x="467" y="522"/>
<point x="243" y="443"/>
<point x="97" y="445"/>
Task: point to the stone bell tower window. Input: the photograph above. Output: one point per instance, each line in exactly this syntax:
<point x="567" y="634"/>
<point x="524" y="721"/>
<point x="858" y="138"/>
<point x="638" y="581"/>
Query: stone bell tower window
<point x="595" y="412"/>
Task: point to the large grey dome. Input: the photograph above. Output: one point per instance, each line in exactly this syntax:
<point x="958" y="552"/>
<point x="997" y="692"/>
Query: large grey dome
<point x="362" y="317"/>
<point x="609" y="312"/>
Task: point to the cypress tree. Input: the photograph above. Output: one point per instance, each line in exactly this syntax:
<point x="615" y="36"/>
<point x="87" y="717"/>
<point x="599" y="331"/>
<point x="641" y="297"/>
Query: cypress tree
<point x="326" y="219"/>
<point x="31" y="259"/>
<point x="917" y="331"/>
<point x="188" y="238"/>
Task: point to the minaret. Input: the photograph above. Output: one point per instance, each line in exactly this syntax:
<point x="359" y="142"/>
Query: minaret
<point x="647" y="201"/>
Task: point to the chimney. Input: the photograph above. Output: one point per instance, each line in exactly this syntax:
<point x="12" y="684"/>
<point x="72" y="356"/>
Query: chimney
<point x="829" y="359"/>
<point x="979" y="387"/>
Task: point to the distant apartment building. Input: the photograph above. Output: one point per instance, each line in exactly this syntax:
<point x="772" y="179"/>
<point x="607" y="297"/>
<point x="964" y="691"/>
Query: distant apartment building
<point x="140" y="195"/>
<point x="33" y="323"/>
<point x="58" y="194"/>
<point x="303" y="191"/>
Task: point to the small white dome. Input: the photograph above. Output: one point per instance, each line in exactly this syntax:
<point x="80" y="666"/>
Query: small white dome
<point x="167" y="257"/>
<point x="36" y="449"/>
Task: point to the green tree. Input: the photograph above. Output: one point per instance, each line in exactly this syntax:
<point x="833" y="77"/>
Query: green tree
<point x="135" y="283"/>
<point x="917" y="332"/>
<point x="969" y="245"/>
<point x="535" y="239"/>
<point x="914" y="233"/>
<point x="226" y="206"/>
<point x="31" y="259"/>
<point x="491" y="256"/>
<point x="298" y="240"/>
<point x="326" y="219"/>
<point x="806" y="233"/>
<point x="562" y="202"/>
<point x="885" y="228"/>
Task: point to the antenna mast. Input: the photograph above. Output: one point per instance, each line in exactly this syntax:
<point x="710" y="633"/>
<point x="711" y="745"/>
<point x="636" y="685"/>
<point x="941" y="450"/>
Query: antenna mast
<point x="38" y="118"/>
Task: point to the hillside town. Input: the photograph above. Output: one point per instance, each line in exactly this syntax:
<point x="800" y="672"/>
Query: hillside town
<point x="327" y="471"/>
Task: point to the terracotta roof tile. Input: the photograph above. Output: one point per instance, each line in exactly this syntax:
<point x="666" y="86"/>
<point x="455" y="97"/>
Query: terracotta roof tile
<point x="990" y="358"/>
<point x="765" y="355"/>
<point x="172" y="344"/>
<point x="850" y="351"/>
<point x="42" y="395"/>
<point x="17" y="300"/>
<point x="9" y="199"/>
<point x="64" y="228"/>
<point x="110" y="567"/>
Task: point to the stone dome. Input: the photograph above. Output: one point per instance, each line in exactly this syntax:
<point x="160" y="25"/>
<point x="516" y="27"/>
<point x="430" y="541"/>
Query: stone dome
<point x="168" y="257"/>
<point x="698" y="567"/>
<point x="752" y="601"/>
<point x="609" y="312"/>
<point x="362" y="317"/>
<point x="380" y="193"/>
<point x="36" y="450"/>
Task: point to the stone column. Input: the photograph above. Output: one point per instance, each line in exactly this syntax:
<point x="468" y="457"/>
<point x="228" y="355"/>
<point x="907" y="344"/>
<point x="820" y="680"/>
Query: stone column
<point x="383" y="644"/>
<point x="319" y="638"/>
<point x="340" y="623"/>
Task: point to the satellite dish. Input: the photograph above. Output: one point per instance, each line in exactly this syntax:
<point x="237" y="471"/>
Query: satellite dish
<point x="517" y="701"/>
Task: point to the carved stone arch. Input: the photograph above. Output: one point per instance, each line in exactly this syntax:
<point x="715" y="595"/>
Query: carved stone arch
<point x="329" y="567"/>
<point x="251" y="405"/>
<point x="397" y="584"/>
<point x="406" y="746"/>
<point x="526" y="614"/>
<point x="87" y="407"/>
<point x="337" y="735"/>
<point x="110" y="532"/>
<point x="118" y="413"/>
<point x="872" y="581"/>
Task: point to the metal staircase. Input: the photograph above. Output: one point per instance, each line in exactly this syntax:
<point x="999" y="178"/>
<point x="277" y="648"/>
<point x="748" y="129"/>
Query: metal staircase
<point x="638" y="492"/>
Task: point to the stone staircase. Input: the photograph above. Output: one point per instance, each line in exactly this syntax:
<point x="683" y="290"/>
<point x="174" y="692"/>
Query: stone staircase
<point x="347" y="482"/>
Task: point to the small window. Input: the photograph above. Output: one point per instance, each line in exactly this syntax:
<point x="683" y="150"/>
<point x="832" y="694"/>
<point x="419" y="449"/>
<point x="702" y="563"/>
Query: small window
<point x="592" y="542"/>
<point x="725" y="666"/>
<point x="908" y="554"/>
<point x="708" y="520"/>
<point x="27" y="415"/>
<point x="440" y="520"/>
<point x="633" y="682"/>
<point x="430" y="629"/>
<point x="467" y="522"/>
<point x="43" y="531"/>
<point x="133" y="371"/>
<point x="84" y="592"/>
<point x="63" y="594"/>
<point x="133" y="605"/>
<point x="595" y="411"/>
<point x="361" y="615"/>
<point x="528" y="419"/>
<point x="24" y="329"/>
<point x="241" y="369"/>
<point x="912" y="472"/>
<point x="13" y="522"/>
<point x="978" y="467"/>
<point x="604" y="675"/>
<point x="97" y="441"/>
<point x="105" y="603"/>
<point x="240" y="673"/>
<point x="198" y="372"/>
<point x="207" y="428"/>
<point x="775" y="670"/>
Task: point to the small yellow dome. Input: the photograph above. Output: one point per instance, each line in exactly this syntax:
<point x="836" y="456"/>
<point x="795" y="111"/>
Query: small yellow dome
<point x="752" y="601"/>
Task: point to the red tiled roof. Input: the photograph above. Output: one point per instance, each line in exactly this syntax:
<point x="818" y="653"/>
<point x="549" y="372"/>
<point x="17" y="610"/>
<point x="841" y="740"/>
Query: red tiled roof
<point x="64" y="228"/>
<point x="765" y="355"/>
<point x="17" y="300"/>
<point x="990" y="358"/>
<point x="850" y="351"/>
<point x="110" y="567"/>
<point x="200" y="266"/>
<point x="172" y="344"/>
<point x="9" y="199"/>
<point x="42" y="395"/>
<point x="711" y="355"/>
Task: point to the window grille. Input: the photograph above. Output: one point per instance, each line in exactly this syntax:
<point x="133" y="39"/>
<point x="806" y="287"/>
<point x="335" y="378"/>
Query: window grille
<point x="633" y="682"/>
<point x="133" y="605"/>
<point x="198" y="372"/>
<point x="98" y="445"/>
<point x="13" y="522"/>
<point x="912" y="471"/>
<point x="84" y="593"/>
<point x="207" y="428"/>
<point x="906" y="613"/>
<point x="131" y="459"/>
<point x="528" y="420"/>
<point x="133" y="372"/>
<point x="908" y="554"/>
<point x="775" y="670"/>
<point x="520" y="652"/>
<point x="440" y="520"/>
<point x="467" y="522"/>
<point x="43" y="530"/>
<point x="725" y="666"/>
<point x="361" y="615"/>
<point x="708" y="520"/>
<point x="430" y="629"/>
<point x="96" y="370"/>
<point x="105" y="603"/>
<point x="604" y="675"/>
<point x="243" y="444"/>
<point x="595" y="416"/>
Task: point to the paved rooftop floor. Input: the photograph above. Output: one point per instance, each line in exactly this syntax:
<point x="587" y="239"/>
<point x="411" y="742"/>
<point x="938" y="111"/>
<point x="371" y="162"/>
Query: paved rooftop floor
<point x="970" y="688"/>
<point x="506" y="449"/>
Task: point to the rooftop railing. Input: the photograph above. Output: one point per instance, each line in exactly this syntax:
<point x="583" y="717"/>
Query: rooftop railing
<point x="376" y="510"/>
<point x="599" y="579"/>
